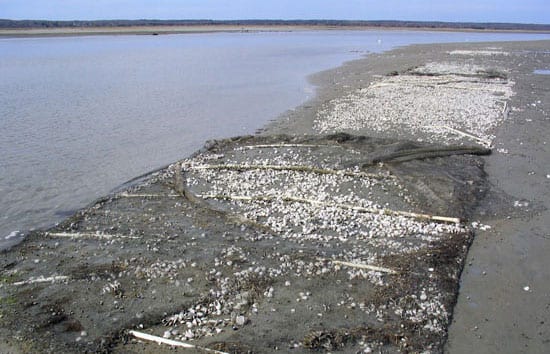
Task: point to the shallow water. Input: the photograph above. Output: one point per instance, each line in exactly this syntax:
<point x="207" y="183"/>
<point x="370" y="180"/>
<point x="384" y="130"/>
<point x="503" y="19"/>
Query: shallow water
<point x="81" y="115"/>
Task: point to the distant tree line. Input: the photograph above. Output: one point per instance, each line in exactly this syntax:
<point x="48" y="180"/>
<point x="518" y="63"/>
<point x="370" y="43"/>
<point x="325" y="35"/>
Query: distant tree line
<point x="4" y="23"/>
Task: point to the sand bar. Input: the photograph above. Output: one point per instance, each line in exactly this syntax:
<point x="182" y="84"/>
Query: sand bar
<point x="228" y="273"/>
<point x="189" y="29"/>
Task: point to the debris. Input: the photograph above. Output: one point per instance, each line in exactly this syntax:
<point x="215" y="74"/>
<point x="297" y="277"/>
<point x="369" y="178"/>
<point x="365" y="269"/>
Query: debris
<point x="419" y="103"/>
<point x="480" y="226"/>
<point x="460" y="132"/>
<point x="486" y="52"/>
<point x="521" y="204"/>
<point x="269" y="146"/>
<point x="305" y="231"/>
<point x="131" y="195"/>
<point x="341" y="206"/>
<point x="364" y="266"/>
<point x="98" y="235"/>
<point x="160" y="340"/>
<point x="241" y="320"/>
<point x="42" y="279"/>
<point x="289" y="168"/>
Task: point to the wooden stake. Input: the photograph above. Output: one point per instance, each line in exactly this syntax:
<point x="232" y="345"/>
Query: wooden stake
<point x="128" y="195"/>
<point x="363" y="266"/>
<point x="298" y="168"/>
<point x="42" y="279"/>
<point x="341" y="206"/>
<point x="171" y="342"/>
<point x="460" y="132"/>
<point x="274" y="146"/>
<point x="178" y="180"/>
<point x="87" y="234"/>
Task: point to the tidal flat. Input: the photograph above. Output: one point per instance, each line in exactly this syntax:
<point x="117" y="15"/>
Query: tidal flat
<point x="398" y="211"/>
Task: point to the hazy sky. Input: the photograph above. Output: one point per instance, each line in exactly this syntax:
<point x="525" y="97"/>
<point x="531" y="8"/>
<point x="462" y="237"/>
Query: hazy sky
<point x="525" y="11"/>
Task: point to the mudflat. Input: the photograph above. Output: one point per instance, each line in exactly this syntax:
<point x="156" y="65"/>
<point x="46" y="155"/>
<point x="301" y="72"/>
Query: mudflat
<point x="402" y="209"/>
<point x="503" y="305"/>
<point x="504" y="300"/>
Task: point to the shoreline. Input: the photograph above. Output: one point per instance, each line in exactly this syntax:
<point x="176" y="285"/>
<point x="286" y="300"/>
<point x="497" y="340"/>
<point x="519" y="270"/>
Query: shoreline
<point x="198" y="29"/>
<point x="360" y="73"/>
<point x="478" y="321"/>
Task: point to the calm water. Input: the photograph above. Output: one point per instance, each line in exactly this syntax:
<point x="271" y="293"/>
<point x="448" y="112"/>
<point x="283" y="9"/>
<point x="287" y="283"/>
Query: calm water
<point x="81" y="115"/>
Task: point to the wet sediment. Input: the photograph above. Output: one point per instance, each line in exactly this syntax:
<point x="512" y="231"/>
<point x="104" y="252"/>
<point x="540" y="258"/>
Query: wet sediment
<point x="251" y="237"/>
<point x="328" y="241"/>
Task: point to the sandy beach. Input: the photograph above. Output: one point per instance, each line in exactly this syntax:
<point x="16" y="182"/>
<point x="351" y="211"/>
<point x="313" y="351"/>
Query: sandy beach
<point x="371" y="218"/>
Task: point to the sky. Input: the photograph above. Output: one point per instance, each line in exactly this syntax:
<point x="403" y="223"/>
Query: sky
<point x="518" y="11"/>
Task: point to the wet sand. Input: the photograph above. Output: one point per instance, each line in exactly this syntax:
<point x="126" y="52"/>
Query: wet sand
<point x="504" y="299"/>
<point x="504" y="303"/>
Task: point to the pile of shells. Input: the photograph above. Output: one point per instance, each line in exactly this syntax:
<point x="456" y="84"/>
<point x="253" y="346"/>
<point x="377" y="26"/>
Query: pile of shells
<point x="482" y="52"/>
<point x="437" y="102"/>
<point x="303" y="242"/>
<point x="342" y="215"/>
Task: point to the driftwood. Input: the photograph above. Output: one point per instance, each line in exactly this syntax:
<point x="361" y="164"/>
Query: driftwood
<point x="274" y="146"/>
<point x="42" y="280"/>
<point x="298" y="168"/>
<point x="427" y="153"/>
<point x="362" y="266"/>
<point x="466" y="134"/>
<point x="283" y="145"/>
<point x="178" y="180"/>
<point x="341" y="206"/>
<point x="128" y="195"/>
<point x="88" y="235"/>
<point x="174" y="343"/>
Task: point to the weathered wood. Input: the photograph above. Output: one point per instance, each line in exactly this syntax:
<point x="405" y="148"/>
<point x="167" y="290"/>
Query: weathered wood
<point x="174" y="343"/>
<point x="337" y="205"/>
<point x="298" y="168"/>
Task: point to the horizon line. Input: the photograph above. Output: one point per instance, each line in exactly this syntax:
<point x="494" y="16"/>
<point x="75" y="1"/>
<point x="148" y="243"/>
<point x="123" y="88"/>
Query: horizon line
<point x="276" y="20"/>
